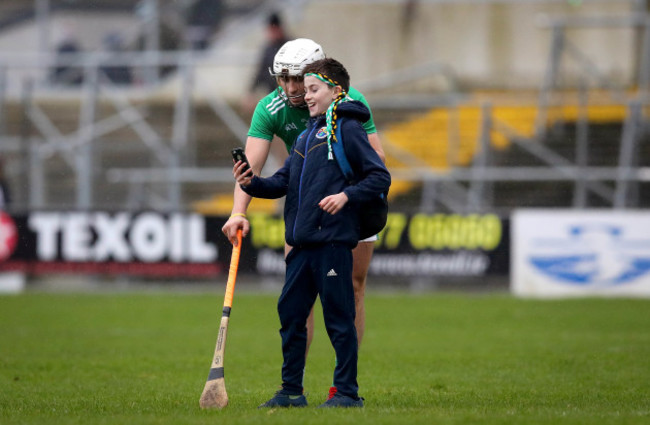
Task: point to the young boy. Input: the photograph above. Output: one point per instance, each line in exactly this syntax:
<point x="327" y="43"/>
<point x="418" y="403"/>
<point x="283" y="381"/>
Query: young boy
<point x="322" y="228"/>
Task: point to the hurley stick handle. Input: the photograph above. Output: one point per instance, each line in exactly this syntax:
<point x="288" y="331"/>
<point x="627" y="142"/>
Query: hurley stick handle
<point x="214" y="393"/>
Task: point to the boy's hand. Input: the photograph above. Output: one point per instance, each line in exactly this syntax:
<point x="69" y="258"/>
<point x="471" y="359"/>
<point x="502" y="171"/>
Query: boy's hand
<point x="243" y="178"/>
<point x="333" y="203"/>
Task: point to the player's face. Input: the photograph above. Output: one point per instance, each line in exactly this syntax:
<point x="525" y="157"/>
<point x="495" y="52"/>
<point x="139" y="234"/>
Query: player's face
<point x="294" y="88"/>
<point x="318" y="95"/>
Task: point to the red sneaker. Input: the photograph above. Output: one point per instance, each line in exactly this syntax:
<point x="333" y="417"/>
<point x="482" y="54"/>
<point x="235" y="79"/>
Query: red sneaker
<point x="332" y="393"/>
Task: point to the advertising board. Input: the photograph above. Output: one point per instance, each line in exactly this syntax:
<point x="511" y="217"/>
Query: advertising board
<point x="580" y="253"/>
<point x="188" y="245"/>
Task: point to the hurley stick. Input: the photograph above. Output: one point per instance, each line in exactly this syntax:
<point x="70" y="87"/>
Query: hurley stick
<point x="214" y="393"/>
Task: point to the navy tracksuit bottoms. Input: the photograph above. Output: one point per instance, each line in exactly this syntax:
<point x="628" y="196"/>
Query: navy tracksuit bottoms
<point x="326" y="271"/>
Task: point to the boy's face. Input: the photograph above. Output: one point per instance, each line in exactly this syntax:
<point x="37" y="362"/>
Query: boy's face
<point x="294" y="89"/>
<point x="319" y="95"/>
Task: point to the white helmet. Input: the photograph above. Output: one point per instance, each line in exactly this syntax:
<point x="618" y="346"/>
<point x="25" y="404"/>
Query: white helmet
<point x="294" y="55"/>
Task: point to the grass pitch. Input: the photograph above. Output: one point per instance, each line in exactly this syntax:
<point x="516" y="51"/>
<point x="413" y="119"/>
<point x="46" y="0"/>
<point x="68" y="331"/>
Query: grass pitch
<point x="426" y="359"/>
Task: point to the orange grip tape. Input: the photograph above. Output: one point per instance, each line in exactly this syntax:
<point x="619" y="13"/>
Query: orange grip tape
<point x="232" y="273"/>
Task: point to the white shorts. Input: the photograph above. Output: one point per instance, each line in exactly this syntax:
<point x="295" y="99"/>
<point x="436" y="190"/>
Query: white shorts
<point x="370" y="239"/>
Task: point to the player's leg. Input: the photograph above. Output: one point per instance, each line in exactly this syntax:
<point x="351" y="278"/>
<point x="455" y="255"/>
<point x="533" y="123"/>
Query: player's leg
<point x="361" y="256"/>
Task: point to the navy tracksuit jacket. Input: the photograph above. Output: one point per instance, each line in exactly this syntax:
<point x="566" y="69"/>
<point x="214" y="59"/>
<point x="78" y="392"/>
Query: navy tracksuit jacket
<point x="320" y="262"/>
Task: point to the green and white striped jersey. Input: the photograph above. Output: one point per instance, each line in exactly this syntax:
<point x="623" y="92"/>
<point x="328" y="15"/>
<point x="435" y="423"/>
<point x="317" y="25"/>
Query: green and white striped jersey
<point x="273" y="116"/>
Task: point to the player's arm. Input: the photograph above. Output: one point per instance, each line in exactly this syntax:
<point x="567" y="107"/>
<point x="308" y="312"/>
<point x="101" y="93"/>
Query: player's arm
<point x="375" y="142"/>
<point x="369" y="126"/>
<point x="257" y="152"/>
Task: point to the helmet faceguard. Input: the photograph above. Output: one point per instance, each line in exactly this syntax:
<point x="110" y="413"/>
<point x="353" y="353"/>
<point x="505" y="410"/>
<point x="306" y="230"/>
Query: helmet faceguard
<point x="287" y="99"/>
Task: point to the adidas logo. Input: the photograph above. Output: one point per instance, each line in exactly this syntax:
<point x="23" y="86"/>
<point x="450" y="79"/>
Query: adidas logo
<point x="331" y="273"/>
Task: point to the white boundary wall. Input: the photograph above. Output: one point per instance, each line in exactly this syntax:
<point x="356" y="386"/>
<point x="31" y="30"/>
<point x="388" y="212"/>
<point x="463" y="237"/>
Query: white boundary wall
<point x="560" y="253"/>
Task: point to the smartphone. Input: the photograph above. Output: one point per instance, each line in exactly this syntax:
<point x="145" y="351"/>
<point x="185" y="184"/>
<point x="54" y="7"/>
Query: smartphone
<point x="239" y="155"/>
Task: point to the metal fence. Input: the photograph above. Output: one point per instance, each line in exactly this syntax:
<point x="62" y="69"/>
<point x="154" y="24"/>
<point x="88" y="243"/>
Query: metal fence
<point x="34" y="143"/>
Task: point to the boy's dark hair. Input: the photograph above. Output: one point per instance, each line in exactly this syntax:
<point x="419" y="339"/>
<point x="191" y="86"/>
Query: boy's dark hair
<point x="332" y="69"/>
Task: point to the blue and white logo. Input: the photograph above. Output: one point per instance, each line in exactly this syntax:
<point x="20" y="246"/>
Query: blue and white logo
<point x="594" y="255"/>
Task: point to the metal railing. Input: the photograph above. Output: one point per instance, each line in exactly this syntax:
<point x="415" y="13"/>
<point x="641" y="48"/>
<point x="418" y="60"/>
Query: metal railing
<point x="44" y="140"/>
<point x="471" y="189"/>
<point x="24" y="80"/>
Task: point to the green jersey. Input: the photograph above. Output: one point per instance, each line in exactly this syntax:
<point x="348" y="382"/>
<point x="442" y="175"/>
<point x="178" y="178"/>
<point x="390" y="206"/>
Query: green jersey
<point x="273" y="116"/>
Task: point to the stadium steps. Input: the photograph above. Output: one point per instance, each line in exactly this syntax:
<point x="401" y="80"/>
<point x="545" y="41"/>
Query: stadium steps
<point x="447" y="137"/>
<point x="121" y="148"/>
<point x="440" y="138"/>
<point x="603" y="151"/>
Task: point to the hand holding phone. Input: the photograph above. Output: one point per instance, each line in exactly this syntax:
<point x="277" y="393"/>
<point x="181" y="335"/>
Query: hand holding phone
<point x="239" y="155"/>
<point x="245" y="174"/>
